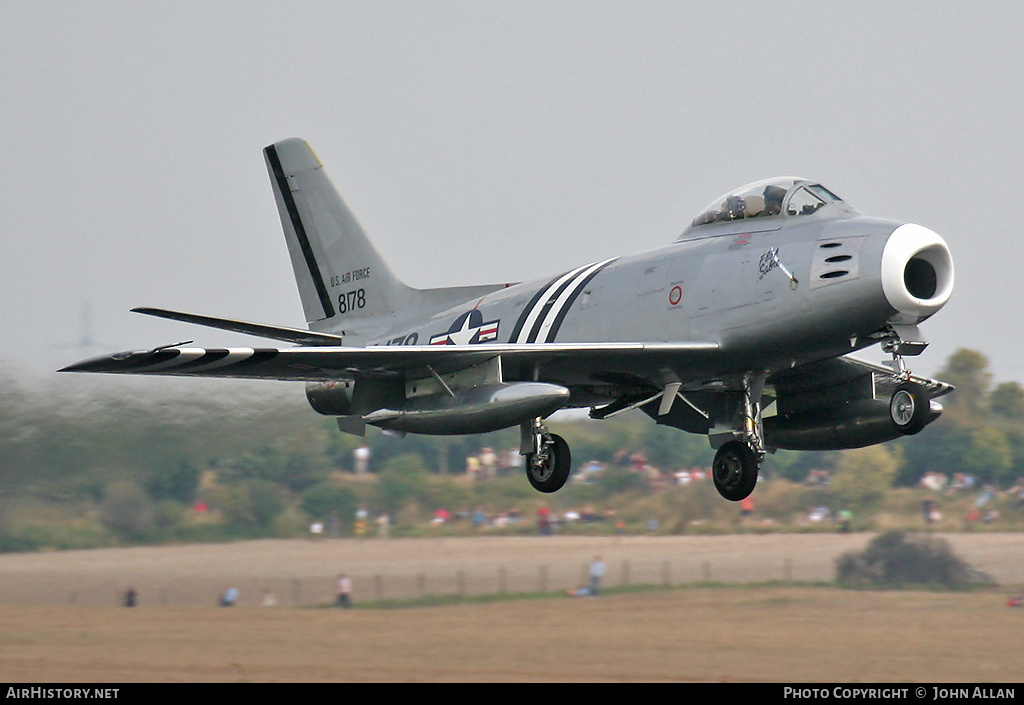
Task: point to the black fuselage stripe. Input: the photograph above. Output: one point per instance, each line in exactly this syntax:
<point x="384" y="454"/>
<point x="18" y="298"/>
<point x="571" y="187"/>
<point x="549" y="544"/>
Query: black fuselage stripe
<point x="300" y="232"/>
<point x="568" y="304"/>
<point x="526" y="311"/>
<point x="546" y="311"/>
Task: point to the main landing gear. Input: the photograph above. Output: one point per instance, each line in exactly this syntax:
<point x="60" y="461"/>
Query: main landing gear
<point x="738" y="437"/>
<point x="548" y="462"/>
<point x="735" y="470"/>
<point x="738" y="460"/>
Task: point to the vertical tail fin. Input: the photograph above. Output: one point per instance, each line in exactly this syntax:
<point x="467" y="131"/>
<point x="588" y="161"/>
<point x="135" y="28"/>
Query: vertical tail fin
<point x="342" y="279"/>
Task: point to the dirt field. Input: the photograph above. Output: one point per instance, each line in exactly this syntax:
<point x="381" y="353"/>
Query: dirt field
<point x="59" y="619"/>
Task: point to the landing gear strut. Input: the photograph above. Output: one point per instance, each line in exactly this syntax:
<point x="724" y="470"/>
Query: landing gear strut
<point x="909" y="406"/>
<point x="548" y="461"/>
<point x="738" y="461"/>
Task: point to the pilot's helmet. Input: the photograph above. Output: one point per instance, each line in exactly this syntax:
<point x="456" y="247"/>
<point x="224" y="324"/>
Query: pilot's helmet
<point x="734" y="207"/>
<point x="773" y="196"/>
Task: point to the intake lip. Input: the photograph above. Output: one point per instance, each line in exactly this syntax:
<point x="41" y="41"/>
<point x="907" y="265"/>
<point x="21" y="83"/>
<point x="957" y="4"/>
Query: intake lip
<point x="917" y="273"/>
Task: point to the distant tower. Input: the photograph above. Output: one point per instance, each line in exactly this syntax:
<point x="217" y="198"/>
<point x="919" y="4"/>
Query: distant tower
<point x="85" y="339"/>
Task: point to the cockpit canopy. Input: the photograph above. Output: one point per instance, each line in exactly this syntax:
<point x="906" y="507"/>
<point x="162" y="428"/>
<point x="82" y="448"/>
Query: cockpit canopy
<point x="764" y="199"/>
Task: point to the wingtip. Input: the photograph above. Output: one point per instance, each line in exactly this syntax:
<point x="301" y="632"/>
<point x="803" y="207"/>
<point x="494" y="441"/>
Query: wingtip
<point x="113" y="362"/>
<point x="80" y="366"/>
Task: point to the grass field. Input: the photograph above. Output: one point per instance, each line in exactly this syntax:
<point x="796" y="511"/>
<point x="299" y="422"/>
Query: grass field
<point x="739" y="633"/>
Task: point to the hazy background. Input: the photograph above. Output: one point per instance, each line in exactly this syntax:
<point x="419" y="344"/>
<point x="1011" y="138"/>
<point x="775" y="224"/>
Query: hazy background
<point x="480" y="141"/>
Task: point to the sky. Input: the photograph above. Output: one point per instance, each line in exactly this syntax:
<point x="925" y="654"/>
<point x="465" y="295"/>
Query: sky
<point x="479" y="142"/>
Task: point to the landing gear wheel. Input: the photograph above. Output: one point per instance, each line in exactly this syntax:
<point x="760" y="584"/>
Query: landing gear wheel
<point x="908" y="408"/>
<point x="735" y="470"/>
<point x="547" y="471"/>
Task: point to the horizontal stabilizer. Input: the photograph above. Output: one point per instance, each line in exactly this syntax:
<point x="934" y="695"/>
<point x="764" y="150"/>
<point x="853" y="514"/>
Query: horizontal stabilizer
<point x="290" y="335"/>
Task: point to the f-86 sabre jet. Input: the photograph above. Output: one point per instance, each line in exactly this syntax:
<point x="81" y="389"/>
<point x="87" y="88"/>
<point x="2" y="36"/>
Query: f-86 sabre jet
<point x="740" y="330"/>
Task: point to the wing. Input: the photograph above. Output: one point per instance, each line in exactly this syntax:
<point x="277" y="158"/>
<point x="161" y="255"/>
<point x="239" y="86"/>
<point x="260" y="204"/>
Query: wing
<point x="593" y="361"/>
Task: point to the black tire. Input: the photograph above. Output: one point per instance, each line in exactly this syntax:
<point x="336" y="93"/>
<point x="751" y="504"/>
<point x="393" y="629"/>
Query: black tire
<point x="735" y="470"/>
<point x="552" y="474"/>
<point x="909" y="408"/>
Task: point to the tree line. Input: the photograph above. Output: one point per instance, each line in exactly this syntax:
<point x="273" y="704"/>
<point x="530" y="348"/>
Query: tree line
<point x="137" y="459"/>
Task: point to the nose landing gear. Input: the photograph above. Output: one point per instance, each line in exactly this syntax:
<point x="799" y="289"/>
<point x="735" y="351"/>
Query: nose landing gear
<point x="908" y="408"/>
<point x="909" y="405"/>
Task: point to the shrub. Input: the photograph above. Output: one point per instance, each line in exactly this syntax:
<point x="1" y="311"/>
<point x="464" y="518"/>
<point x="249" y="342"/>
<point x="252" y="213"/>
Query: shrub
<point x="253" y="503"/>
<point x="403" y="479"/>
<point x="126" y="509"/>
<point x="329" y="499"/>
<point x="179" y="481"/>
<point x="615" y="480"/>
<point x="896" y="559"/>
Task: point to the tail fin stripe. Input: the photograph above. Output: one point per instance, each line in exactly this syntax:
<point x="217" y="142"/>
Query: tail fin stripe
<point x="300" y="232"/>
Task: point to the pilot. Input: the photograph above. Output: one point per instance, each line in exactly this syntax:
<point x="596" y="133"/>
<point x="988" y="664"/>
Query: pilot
<point x="773" y="196"/>
<point x="734" y="207"/>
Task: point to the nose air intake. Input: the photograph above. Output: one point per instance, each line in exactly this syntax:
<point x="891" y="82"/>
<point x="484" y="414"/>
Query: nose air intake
<point x="917" y="273"/>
